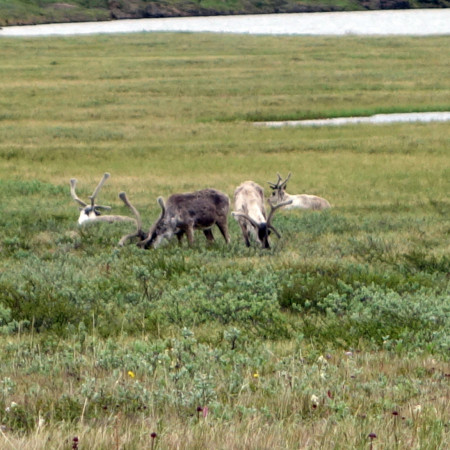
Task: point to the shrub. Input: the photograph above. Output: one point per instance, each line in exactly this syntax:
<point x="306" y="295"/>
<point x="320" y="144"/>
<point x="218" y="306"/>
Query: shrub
<point x="412" y="321"/>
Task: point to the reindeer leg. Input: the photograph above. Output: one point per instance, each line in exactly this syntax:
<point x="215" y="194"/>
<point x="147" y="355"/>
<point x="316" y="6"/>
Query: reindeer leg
<point x="179" y="235"/>
<point x="190" y="234"/>
<point x="208" y="234"/>
<point x="245" y="233"/>
<point x="223" y="227"/>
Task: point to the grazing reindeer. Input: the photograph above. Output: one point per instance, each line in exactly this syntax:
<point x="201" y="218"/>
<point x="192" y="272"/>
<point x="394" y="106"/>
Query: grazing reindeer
<point x="91" y="213"/>
<point x="182" y="214"/>
<point x="251" y="213"/>
<point x="299" y="201"/>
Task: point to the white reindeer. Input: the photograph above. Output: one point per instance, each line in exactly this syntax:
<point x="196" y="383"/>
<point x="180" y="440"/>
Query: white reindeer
<point x="91" y="213"/>
<point x="251" y="213"/>
<point x="299" y="201"/>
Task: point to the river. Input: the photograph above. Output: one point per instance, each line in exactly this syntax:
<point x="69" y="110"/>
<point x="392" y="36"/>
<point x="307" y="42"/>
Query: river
<point x="416" y="22"/>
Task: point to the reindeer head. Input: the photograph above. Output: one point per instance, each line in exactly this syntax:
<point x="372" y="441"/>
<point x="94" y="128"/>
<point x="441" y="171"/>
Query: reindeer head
<point x="159" y="230"/>
<point x="89" y="212"/>
<point x="263" y="232"/>
<point x="164" y="228"/>
<point x="138" y="233"/>
<point x="278" y="194"/>
<point x="264" y="229"/>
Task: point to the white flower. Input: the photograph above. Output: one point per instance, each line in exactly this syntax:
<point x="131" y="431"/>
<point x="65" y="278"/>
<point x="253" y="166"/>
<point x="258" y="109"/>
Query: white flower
<point x="41" y="420"/>
<point x="9" y="408"/>
<point x="314" y="399"/>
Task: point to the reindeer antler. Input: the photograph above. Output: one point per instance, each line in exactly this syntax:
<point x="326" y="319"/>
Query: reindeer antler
<point x="245" y="216"/>
<point x="138" y="220"/>
<point x="277" y="184"/>
<point x="269" y="219"/>
<point x="284" y="183"/>
<point x="73" y="183"/>
<point x="272" y="211"/>
<point x="97" y="190"/>
<point x="152" y="229"/>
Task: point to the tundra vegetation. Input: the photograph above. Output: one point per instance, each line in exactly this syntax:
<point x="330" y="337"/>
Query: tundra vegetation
<point x="338" y="332"/>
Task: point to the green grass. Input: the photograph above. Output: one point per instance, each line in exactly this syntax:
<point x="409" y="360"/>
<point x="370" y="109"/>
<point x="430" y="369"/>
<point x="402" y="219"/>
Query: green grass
<point x="313" y="344"/>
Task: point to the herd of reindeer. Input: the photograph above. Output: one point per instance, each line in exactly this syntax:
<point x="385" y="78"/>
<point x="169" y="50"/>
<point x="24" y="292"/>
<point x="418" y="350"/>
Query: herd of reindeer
<point x="183" y="213"/>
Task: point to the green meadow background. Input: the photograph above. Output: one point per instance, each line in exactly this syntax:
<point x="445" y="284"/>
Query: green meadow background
<point x="340" y="331"/>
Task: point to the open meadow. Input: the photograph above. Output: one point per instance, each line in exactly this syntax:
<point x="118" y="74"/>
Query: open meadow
<point x="337" y="337"/>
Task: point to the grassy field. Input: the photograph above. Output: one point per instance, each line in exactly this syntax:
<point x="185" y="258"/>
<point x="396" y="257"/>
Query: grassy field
<point x="341" y="330"/>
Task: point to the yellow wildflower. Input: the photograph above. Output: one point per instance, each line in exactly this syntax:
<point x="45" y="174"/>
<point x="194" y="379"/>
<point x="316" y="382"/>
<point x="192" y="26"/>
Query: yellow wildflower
<point x="131" y="374"/>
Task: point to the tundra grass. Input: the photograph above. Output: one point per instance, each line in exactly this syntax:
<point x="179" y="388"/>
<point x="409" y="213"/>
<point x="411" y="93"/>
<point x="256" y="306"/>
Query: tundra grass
<point x="341" y="330"/>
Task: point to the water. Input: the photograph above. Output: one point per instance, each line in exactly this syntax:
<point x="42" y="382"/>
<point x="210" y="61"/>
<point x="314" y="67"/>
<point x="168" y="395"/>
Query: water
<point x="418" y="22"/>
<point x="376" y="119"/>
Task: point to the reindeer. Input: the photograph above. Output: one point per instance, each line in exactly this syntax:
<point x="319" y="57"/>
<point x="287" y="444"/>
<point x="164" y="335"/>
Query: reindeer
<point x="91" y="213"/>
<point x="181" y="215"/>
<point x="251" y="214"/>
<point x="299" y="201"/>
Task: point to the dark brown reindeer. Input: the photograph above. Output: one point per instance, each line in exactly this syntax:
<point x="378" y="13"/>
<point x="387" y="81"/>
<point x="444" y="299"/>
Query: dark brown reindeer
<point x="251" y="213"/>
<point x="92" y="212"/>
<point x="299" y="201"/>
<point x="181" y="215"/>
